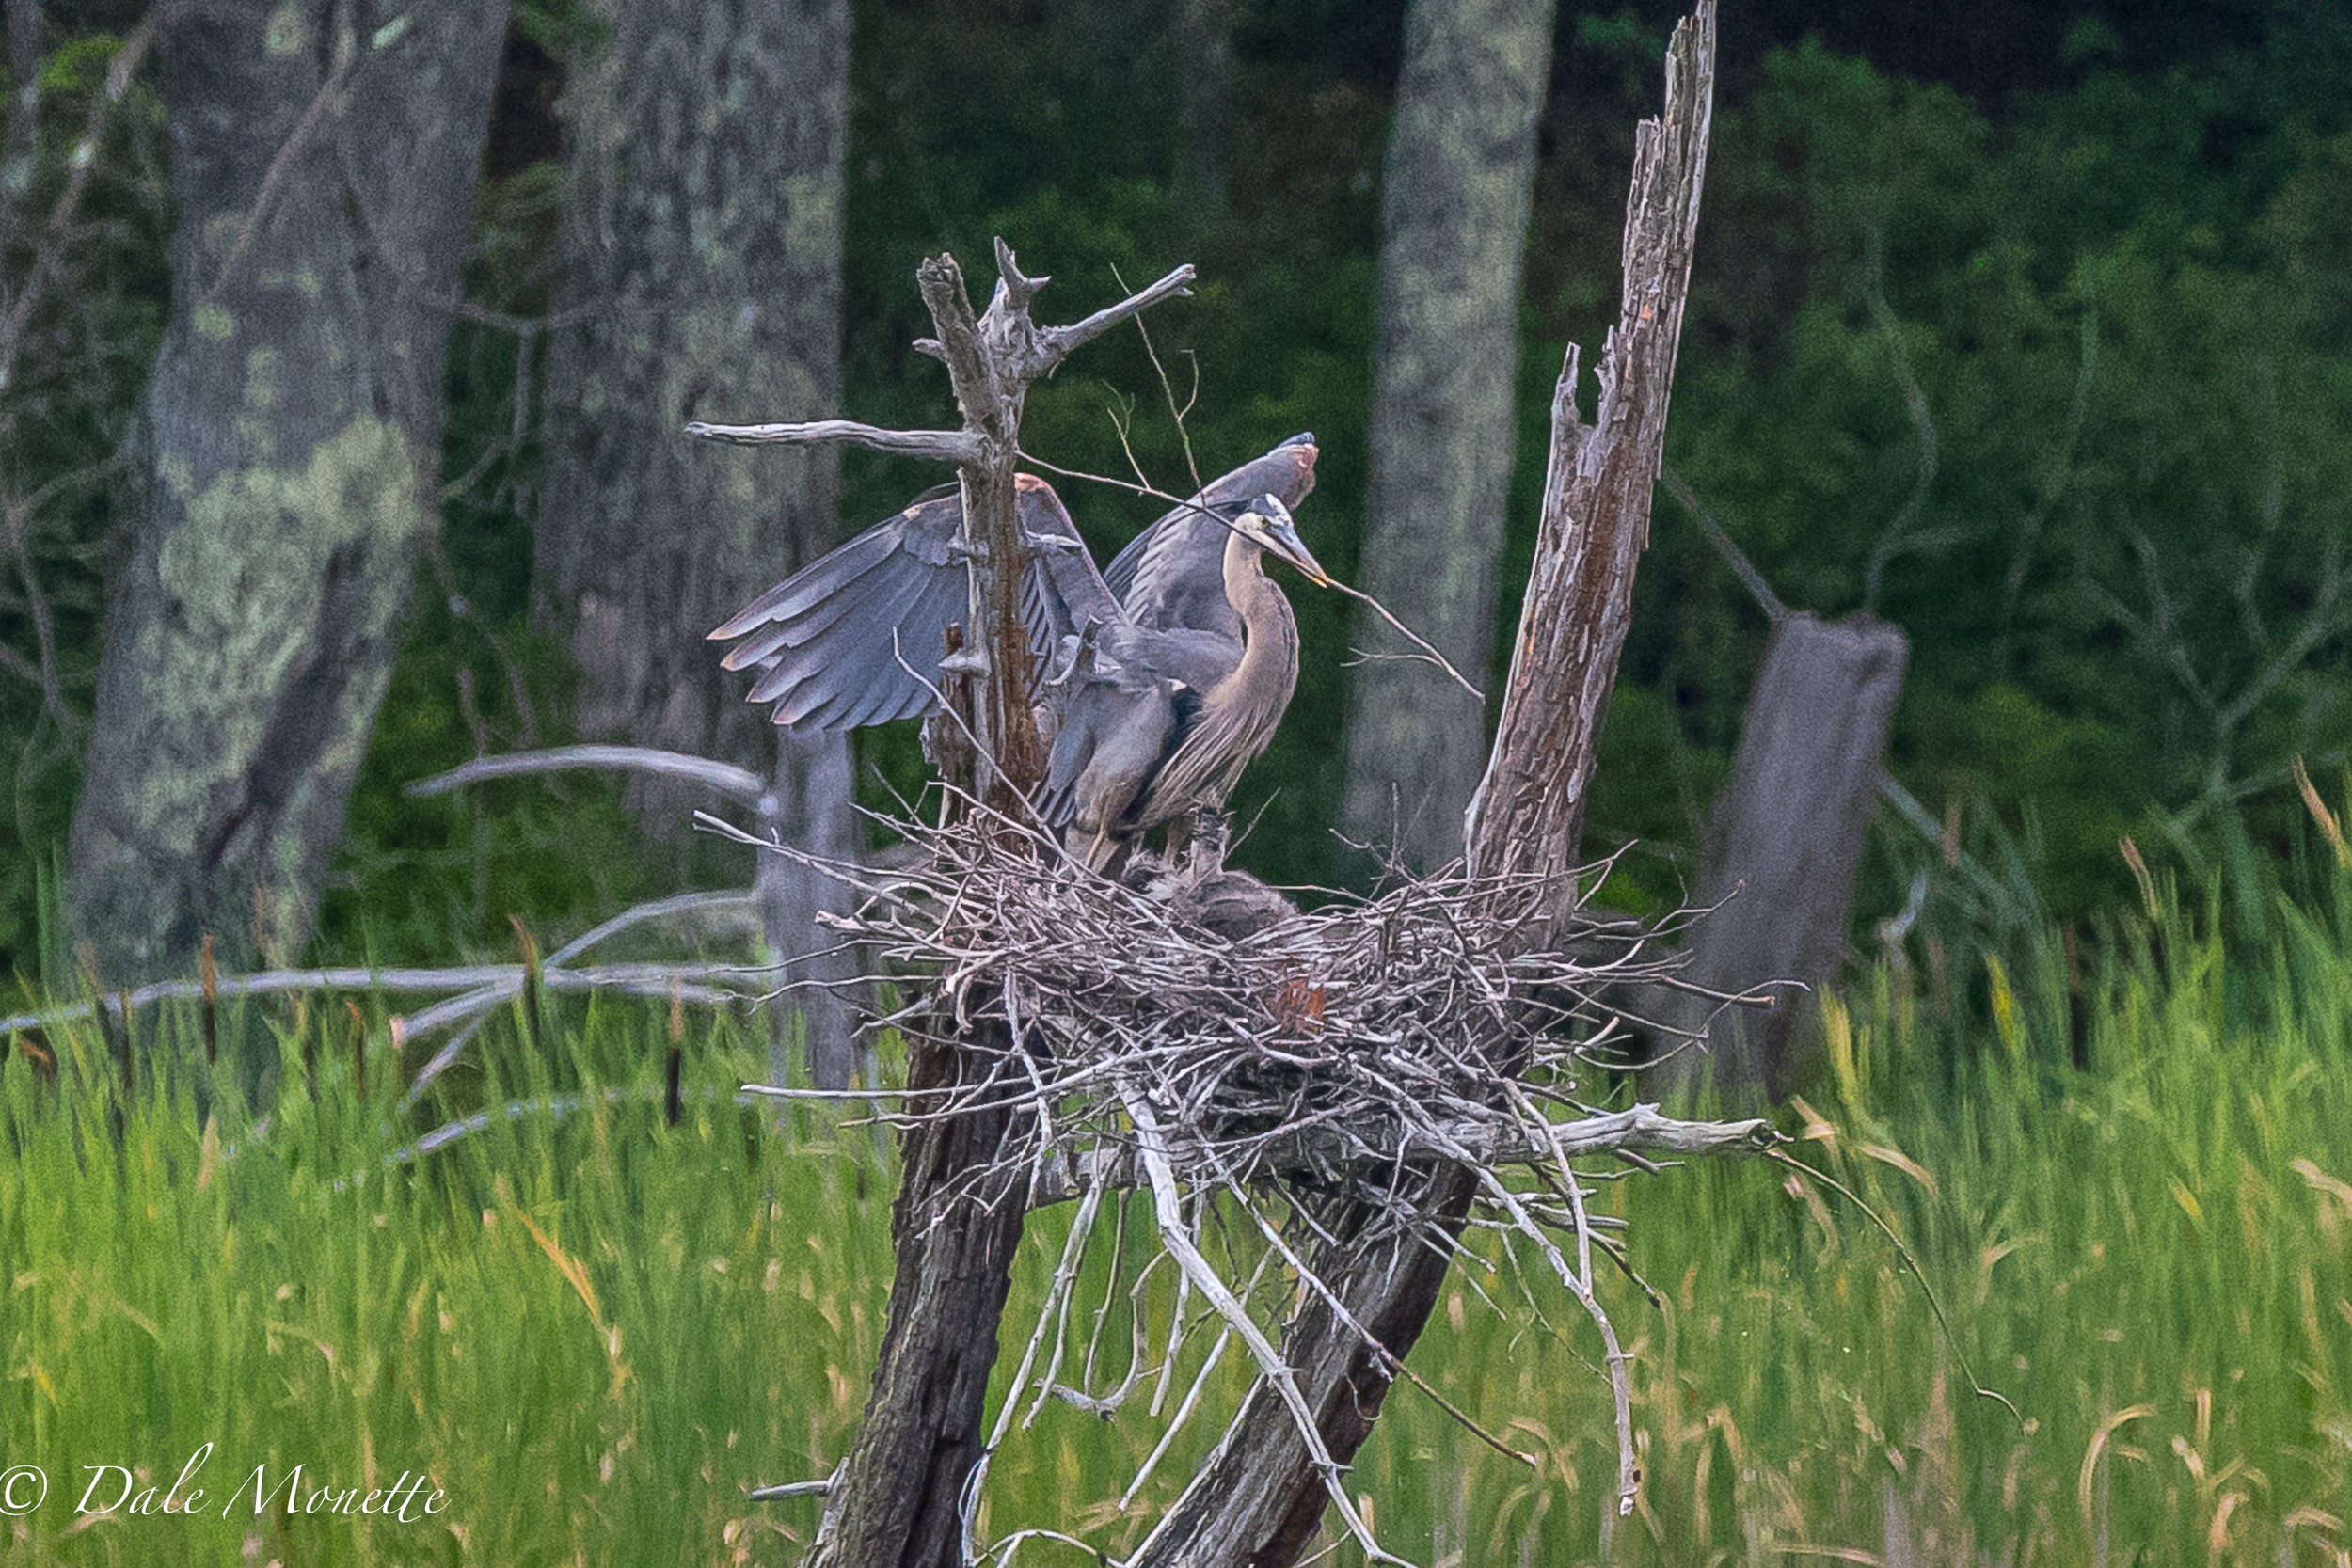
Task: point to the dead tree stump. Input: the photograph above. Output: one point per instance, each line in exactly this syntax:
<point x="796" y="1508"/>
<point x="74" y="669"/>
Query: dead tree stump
<point x="1785" y="842"/>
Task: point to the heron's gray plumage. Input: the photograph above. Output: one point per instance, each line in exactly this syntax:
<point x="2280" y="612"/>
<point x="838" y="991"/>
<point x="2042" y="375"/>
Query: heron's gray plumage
<point x="1172" y="575"/>
<point x="1158" y="680"/>
<point x="1234" y="719"/>
<point x="1135" y="747"/>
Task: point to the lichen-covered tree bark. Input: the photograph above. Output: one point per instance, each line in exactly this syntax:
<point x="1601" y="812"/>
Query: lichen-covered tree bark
<point x="323" y="160"/>
<point x="702" y="252"/>
<point x="1452" y="221"/>
<point x="702" y="256"/>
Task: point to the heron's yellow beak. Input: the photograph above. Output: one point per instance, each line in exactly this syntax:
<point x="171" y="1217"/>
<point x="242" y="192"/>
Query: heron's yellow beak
<point x="1281" y="536"/>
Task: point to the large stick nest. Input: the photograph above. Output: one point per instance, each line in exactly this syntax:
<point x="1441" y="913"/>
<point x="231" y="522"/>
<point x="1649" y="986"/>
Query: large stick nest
<point x="1188" y="1029"/>
<point x="1438" y="1017"/>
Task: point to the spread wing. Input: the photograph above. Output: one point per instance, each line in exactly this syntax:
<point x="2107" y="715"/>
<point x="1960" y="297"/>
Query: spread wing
<point x="849" y="640"/>
<point x="1172" y="577"/>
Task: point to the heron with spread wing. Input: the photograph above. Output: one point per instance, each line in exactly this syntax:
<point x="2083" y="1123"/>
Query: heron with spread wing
<point x="1159" y="681"/>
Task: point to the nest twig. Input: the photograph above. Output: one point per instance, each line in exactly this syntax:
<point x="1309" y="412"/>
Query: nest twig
<point x="1185" y="1032"/>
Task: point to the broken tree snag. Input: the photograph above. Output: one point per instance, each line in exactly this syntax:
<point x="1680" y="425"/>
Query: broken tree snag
<point x="990" y="361"/>
<point x="1529" y="812"/>
<point x="896" y="1499"/>
<point x="958" y="1220"/>
<point x="1260" y="1499"/>
<point x="990" y="397"/>
<point x="1786" y="839"/>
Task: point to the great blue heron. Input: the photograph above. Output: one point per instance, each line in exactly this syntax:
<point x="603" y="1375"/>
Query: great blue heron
<point x="1150" y="728"/>
<point x="1161" y="678"/>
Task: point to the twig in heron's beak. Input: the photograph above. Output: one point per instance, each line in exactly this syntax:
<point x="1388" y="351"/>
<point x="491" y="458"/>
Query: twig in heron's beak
<point x="1145" y="489"/>
<point x="1410" y="634"/>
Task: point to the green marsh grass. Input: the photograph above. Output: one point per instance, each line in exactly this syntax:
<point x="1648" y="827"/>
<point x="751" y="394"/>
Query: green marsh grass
<point x="2127" y="1181"/>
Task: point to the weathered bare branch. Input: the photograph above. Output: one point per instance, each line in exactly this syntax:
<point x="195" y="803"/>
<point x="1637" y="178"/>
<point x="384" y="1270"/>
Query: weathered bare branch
<point x="1056" y="343"/>
<point x="943" y="445"/>
<point x="736" y="783"/>
<point x="743" y="907"/>
<point x="1274" y="1370"/>
<point x="1734" y="556"/>
<point x="643" y="979"/>
<point x="1642" y="1129"/>
<point x="1017" y="287"/>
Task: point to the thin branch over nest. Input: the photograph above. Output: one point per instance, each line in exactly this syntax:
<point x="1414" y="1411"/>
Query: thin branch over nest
<point x="1254" y="1067"/>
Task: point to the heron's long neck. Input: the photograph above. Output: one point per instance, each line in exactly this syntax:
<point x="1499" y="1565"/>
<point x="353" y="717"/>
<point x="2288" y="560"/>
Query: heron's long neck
<point x="1269" y="630"/>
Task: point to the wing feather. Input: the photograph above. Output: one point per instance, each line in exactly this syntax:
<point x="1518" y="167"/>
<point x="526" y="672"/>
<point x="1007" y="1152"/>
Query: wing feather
<point x="855" y="658"/>
<point x="851" y="638"/>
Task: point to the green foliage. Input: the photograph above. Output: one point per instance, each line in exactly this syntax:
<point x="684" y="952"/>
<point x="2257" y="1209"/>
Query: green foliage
<point x="2125" y="307"/>
<point x="2112" y="527"/>
<point x="88" y="276"/>
<point x="596" y="1305"/>
<point x="2117" y="1165"/>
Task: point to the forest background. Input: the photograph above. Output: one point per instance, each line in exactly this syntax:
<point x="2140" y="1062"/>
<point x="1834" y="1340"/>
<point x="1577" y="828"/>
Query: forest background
<point x="2025" y="328"/>
<point x="2029" y="332"/>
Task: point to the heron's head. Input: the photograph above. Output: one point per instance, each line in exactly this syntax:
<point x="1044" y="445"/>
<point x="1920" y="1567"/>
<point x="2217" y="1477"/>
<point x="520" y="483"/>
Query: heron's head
<point x="1268" y="522"/>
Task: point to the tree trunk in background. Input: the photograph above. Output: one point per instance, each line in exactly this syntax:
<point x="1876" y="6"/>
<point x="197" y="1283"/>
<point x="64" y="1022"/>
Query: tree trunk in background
<point x="813" y="788"/>
<point x="1786" y="839"/>
<point x="701" y="251"/>
<point x="323" y="159"/>
<point x="1203" y="37"/>
<point x="1452" y="223"/>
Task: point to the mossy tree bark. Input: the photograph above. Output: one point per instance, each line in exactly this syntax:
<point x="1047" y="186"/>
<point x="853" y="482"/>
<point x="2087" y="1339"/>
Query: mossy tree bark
<point x="702" y="260"/>
<point x="701" y="255"/>
<point x="1454" y="206"/>
<point x="323" y="160"/>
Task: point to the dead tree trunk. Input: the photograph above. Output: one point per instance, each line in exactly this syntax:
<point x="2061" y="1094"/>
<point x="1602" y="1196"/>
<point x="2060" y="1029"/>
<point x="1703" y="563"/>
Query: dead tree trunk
<point x="702" y="256"/>
<point x="702" y="252"/>
<point x="1259" y="1500"/>
<point x="897" y="1502"/>
<point x="1787" y="837"/>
